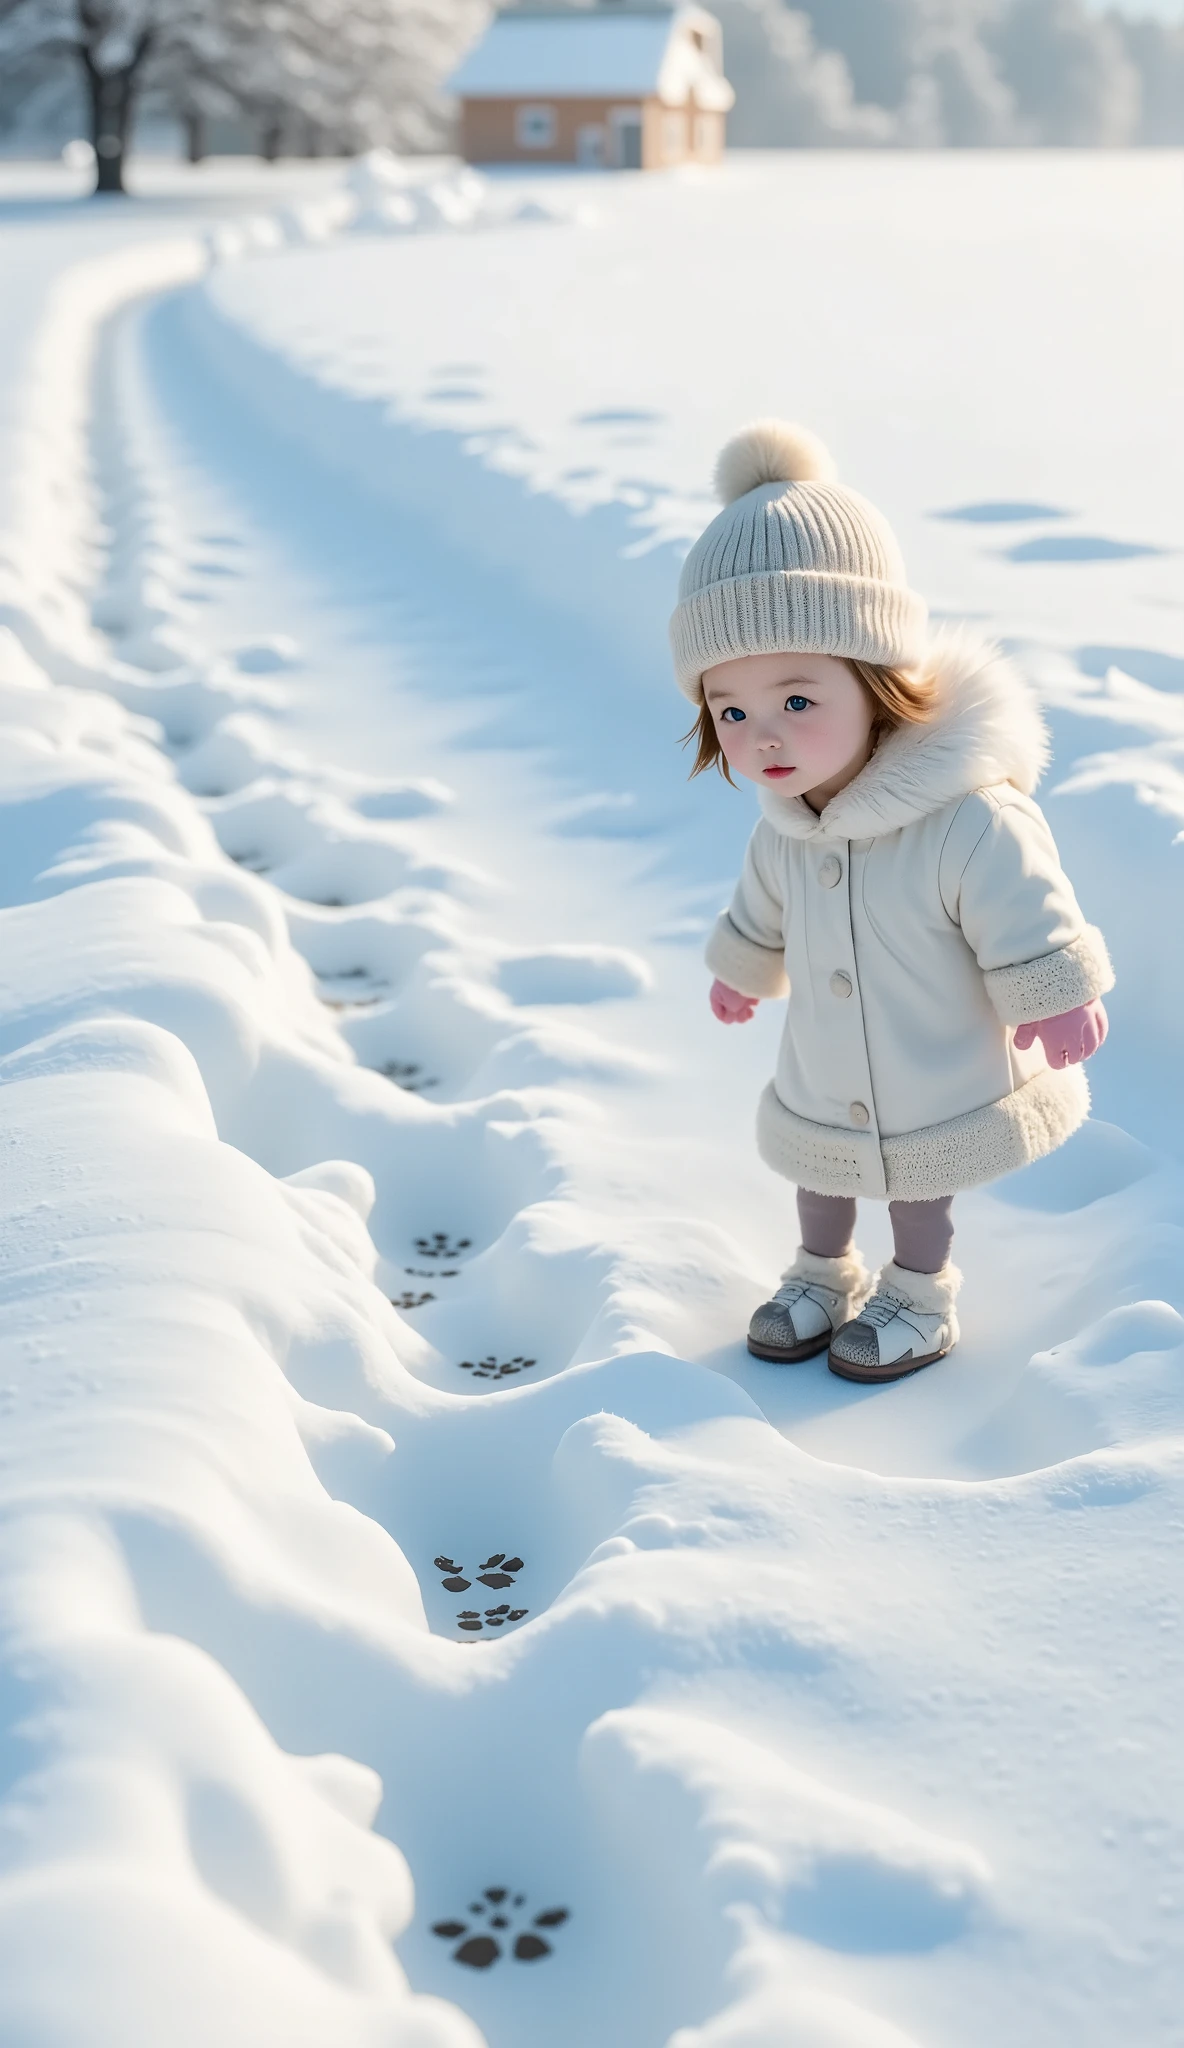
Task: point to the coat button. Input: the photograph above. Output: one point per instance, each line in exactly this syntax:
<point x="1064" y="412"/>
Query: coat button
<point x="859" y="1114"/>
<point x="831" y="871"/>
<point x="840" y="983"/>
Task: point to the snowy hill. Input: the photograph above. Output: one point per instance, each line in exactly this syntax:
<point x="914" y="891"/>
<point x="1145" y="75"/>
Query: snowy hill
<point x="423" y="1622"/>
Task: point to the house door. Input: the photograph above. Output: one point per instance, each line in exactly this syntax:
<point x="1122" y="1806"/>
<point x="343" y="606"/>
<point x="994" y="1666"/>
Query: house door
<point x="625" y="130"/>
<point x="590" y="146"/>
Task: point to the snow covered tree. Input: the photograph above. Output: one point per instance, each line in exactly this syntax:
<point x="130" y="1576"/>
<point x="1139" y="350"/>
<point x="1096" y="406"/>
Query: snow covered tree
<point x="789" y="92"/>
<point x="1069" y="70"/>
<point x="385" y="76"/>
<point x="1156" y="49"/>
<point x="351" y="72"/>
<point x="356" y="72"/>
<point x="933" y="72"/>
<point x="119" y="45"/>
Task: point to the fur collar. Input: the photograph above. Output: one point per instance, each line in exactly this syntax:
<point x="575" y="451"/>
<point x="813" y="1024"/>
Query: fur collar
<point x="986" y="729"/>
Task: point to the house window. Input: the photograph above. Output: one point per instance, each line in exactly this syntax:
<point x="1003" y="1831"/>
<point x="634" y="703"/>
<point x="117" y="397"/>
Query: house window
<point x="534" y="127"/>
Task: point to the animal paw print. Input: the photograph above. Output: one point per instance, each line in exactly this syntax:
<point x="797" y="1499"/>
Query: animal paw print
<point x="409" y="1075"/>
<point x="408" y="1300"/>
<point x="496" y="1917"/>
<point x="497" y="1572"/>
<point x="472" y="1621"/>
<point x="438" y="1246"/>
<point x="361" y="994"/>
<point x="492" y="1368"/>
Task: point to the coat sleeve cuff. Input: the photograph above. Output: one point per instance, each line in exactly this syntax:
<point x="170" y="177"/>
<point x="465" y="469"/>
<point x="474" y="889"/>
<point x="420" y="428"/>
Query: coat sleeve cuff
<point x="1056" y="982"/>
<point x="750" y="969"/>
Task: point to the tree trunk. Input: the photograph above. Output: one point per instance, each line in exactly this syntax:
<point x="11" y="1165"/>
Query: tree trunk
<point x="273" y="140"/>
<point x="110" y="95"/>
<point x="112" y="98"/>
<point x="195" y="137"/>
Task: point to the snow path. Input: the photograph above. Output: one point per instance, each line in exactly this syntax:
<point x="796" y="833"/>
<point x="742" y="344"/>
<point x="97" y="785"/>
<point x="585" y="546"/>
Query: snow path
<point x="833" y="1805"/>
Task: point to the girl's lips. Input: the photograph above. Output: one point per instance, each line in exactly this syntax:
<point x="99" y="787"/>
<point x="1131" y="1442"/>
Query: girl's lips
<point x="776" y="771"/>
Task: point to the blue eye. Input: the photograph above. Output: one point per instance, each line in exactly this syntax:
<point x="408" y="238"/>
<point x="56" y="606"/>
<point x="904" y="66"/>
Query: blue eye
<point x="797" y="703"/>
<point x="733" y="715"/>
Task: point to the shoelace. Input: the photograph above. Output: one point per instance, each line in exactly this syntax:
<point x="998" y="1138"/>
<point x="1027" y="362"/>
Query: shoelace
<point x="790" y="1292"/>
<point x="881" y="1309"/>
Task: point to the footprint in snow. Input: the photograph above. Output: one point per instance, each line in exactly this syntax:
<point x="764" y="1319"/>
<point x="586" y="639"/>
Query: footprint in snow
<point x="492" y="1929"/>
<point x="497" y="1572"/>
<point x="273" y="651"/>
<point x="409" y="1075"/>
<point x="493" y="1368"/>
<point x="473" y="1622"/>
<point x="419" y="798"/>
<point x="573" y="974"/>
<point x="618" y="416"/>
<point x="352" y="988"/>
<point x="441" y="1247"/>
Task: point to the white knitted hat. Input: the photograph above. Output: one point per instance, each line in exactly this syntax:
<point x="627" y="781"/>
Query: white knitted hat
<point x="794" y="563"/>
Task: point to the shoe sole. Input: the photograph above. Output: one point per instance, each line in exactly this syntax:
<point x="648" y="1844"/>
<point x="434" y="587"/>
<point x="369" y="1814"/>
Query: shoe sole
<point x="881" y="1375"/>
<point x="793" y="1354"/>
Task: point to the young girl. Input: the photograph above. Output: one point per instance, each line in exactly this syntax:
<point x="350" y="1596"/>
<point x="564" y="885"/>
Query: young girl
<point x="901" y="888"/>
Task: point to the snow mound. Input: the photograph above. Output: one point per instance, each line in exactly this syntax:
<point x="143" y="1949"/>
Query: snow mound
<point x="392" y="197"/>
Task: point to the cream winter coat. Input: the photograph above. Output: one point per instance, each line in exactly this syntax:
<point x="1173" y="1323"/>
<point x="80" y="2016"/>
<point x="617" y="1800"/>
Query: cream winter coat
<point x="914" y="923"/>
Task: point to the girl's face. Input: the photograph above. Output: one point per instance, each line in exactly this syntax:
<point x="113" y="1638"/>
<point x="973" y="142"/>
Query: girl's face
<point x="797" y="722"/>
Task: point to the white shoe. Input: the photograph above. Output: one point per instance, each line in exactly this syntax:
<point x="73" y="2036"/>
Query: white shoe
<point x="815" y="1297"/>
<point x="909" y="1322"/>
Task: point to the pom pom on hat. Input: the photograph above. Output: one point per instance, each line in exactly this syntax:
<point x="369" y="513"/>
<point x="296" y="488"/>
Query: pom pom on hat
<point x="771" y="452"/>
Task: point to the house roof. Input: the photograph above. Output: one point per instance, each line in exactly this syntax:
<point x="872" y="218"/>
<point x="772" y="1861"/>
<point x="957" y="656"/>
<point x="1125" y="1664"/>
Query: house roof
<point x="590" y="52"/>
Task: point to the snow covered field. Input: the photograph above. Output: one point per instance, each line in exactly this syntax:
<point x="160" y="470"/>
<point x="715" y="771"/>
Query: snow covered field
<point x="396" y="1535"/>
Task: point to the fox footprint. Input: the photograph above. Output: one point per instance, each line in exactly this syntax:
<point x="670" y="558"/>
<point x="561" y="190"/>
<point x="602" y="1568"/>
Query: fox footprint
<point x="497" y="1572"/>
<point x="472" y="1621"/>
<point x="409" y="1075"/>
<point x="480" y="1945"/>
<point x="438" y="1246"/>
<point x="493" y="1368"/>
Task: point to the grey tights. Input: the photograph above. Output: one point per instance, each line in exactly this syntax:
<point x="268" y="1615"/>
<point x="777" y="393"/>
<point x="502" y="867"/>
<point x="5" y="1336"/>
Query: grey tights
<point x="922" y="1232"/>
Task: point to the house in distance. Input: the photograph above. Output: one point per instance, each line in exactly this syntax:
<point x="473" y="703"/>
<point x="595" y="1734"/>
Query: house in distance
<point x="617" y="84"/>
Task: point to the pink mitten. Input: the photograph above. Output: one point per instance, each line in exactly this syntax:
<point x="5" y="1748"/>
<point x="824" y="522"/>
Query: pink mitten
<point x="729" y="1005"/>
<point x="1068" y="1039"/>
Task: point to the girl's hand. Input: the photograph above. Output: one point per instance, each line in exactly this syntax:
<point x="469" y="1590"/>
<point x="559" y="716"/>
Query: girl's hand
<point x="730" y="1006"/>
<point x="1068" y="1039"/>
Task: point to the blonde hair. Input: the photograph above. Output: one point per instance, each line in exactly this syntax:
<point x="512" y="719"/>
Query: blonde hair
<point x="899" y="697"/>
